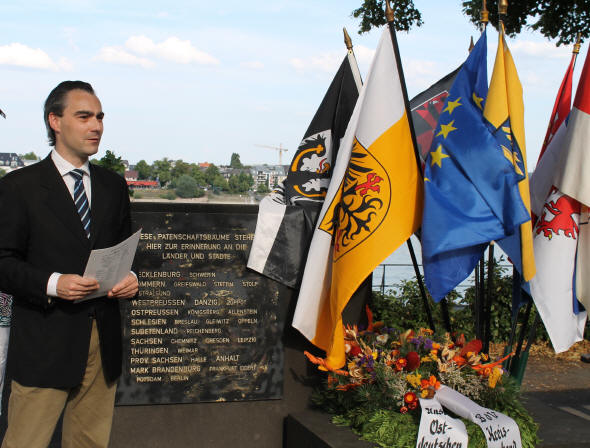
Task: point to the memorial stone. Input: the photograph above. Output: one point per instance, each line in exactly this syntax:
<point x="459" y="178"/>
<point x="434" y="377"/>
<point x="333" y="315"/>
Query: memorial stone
<point x="203" y="327"/>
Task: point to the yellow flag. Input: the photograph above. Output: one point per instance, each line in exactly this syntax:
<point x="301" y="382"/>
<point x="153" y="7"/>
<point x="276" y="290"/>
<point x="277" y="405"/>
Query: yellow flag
<point x="504" y="109"/>
<point x="373" y="205"/>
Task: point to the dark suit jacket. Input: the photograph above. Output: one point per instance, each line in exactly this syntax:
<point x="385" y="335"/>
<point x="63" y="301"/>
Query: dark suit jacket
<point x="41" y="233"/>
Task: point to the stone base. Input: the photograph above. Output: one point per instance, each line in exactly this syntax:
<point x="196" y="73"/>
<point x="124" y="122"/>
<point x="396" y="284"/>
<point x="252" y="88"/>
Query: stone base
<point x="314" y="429"/>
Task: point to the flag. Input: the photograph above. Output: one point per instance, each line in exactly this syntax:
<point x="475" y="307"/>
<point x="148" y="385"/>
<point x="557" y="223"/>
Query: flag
<point x="471" y="194"/>
<point x="286" y="218"/>
<point x="372" y="206"/>
<point x="426" y="108"/>
<point x="556" y="233"/>
<point x="504" y="111"/>
<point x="571" y="180"/>
<point x="542" y="178"/>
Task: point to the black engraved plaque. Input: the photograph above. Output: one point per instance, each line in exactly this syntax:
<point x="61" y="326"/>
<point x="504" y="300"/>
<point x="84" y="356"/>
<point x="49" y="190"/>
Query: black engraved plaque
<point x="203" y="327"/>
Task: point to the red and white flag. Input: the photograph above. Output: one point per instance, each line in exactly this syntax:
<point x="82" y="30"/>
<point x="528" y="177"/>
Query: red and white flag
<point x="574" y="164"/>
<point x="556" y="233"/>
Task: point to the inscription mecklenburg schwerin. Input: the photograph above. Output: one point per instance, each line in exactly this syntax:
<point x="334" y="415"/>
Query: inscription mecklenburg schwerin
<point x="203" y="327"/>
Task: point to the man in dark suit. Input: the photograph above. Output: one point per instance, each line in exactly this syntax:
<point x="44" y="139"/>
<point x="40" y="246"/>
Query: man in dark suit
<point x="63" y="356"/>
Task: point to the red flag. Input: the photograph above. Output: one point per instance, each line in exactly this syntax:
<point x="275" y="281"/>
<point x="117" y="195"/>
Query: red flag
<point x="558" y="235"/>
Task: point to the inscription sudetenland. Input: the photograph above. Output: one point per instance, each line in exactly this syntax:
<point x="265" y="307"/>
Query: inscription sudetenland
<point x="202" y="327"/>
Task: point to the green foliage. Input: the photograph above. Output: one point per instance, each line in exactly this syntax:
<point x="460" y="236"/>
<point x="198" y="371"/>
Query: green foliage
<point x="240" y="183"/>
<point x="29" y="156"/>
<point x="144" y="171"/>
<point x="2" y="173"/>
<point x="211" y="173"/>
<point x="161" y="170"/>
<point x="554" y="20"/>
<point x="111" y="162"/>
<point x="170" y="195"/>
<point x="180" y="169"/>
<point x="137" y="195"/>
<point x="402" y="308"/>
<point x="262" y="188"/>
<point x="372" y="14"/>
<point x="235" y="161"/>
<point x="373" y="419"/>
<point x="198" y="175"/>
<point x="187" y="187"/>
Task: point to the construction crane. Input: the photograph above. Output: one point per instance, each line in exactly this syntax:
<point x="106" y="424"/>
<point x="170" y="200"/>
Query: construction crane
<point x="279" y="148"/>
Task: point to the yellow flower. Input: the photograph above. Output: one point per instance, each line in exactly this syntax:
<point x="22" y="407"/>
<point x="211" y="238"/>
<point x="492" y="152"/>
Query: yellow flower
<point x="375" y="354"/>
<point x="426" y="359"/>
<point x="414" y="380"/>
<point x="435" y="345"/>
<point x="494" y="377"/>
<point x="425" y="393"/>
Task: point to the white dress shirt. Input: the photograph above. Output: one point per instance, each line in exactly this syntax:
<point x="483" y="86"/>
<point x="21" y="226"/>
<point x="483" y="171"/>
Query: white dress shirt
<point x="64" y="167"/>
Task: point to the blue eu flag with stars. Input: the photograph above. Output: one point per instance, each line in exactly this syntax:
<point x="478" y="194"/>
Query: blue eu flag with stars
<point x="471" y="194"/>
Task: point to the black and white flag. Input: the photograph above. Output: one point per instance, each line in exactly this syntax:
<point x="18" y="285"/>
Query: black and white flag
<point x="287" y="217"/>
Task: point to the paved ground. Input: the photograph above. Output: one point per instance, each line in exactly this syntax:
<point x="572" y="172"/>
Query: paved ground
<point x="557" y="393"/>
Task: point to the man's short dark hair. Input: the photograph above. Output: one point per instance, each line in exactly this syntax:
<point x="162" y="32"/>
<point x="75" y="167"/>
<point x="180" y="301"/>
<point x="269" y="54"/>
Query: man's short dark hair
<point x="56" y="102"/>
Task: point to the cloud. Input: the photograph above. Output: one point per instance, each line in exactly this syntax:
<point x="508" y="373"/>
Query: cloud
<point x="540" y="49"/>
<point x="118" y="55"/>
<point x="19" y="55"/>
<point x="327" y="62"/>
<point x="172" y="49"/>
<point x="253" y="65"/>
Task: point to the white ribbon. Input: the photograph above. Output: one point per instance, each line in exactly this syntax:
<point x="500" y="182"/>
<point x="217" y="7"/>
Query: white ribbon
<point x="500" y="430"/>
<point x="438" y="430"/>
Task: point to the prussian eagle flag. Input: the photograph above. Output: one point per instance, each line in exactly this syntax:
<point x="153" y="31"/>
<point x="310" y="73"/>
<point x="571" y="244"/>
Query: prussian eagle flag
<point x="556" y="233"/>
<point x="571" y="179"/>
<point x="373" y="205"/>
<point x="286" y="218"/>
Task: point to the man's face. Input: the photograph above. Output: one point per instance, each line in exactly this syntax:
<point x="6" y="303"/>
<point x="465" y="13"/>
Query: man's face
<point x="78" y="130"/>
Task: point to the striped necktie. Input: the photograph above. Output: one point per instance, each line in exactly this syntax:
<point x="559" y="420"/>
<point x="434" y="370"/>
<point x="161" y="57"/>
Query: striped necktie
<point x="81" y="200"/>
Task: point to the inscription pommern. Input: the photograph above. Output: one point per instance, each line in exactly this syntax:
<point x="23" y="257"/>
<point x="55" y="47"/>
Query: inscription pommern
<point x="188" y="320"/>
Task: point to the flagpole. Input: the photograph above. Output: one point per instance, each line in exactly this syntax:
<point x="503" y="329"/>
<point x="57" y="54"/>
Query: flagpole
<point x="480" y="267"/>
<point x="354" y="67"/>
<point x="390" y="16"/>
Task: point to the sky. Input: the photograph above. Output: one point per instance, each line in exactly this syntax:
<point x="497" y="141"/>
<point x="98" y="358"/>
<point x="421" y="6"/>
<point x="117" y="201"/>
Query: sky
<point x="200" y="80"/>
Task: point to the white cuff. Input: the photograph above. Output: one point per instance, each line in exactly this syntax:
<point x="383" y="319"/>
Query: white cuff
<point x="52" y="284"/>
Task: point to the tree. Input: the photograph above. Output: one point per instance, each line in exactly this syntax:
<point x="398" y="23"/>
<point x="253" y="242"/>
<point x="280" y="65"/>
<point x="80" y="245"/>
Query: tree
<point x="144" y="171"/>
<point x="2" y="173"/>
<point x="262" y="188"/>
<point x="180" y="169"/>
<point x="554" y="20"/>
<point x="198" y="175"/>
<point x="235" y="161"/>
<point x="186" y="187"/>
<point x="211" y="173"/>
<point x="110" y="161"/>
<point x="161" y="170"/>
<point x="29" y="156"/>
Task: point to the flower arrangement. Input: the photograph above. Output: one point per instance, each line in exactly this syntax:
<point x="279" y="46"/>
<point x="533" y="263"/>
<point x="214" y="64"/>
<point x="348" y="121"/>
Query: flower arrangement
<point x="387" y="371"/>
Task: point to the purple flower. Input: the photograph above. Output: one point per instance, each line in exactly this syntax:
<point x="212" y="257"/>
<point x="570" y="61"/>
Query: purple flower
<point x="428" y="344"/>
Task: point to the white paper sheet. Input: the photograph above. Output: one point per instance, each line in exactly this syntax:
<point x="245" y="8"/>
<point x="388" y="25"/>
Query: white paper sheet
<point x="111" y="265"/>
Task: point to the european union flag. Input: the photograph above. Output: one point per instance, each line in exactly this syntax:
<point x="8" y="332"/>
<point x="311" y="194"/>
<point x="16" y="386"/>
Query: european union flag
<point x="471" y="193"/>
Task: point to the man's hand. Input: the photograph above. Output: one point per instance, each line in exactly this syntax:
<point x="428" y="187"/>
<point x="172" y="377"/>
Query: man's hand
<point x="125" y="289"/>
<point x="74" y="287"/>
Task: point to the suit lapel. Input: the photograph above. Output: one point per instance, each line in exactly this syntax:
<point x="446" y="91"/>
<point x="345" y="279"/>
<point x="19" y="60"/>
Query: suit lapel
<point x="98" y="203"/>
<point x="59" y="200"/>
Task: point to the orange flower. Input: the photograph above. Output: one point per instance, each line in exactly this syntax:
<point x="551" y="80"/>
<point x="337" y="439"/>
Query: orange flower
<point x="400" y="364"/>
<point x="322" y="365"/>
<point x="403" y="409"/>
<point x="459" y="360"/>
<point x="431" y="382"/>
<point x="413" y="405"/>
<point x="346" y="387"/>
<point x="410" y="397"/>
